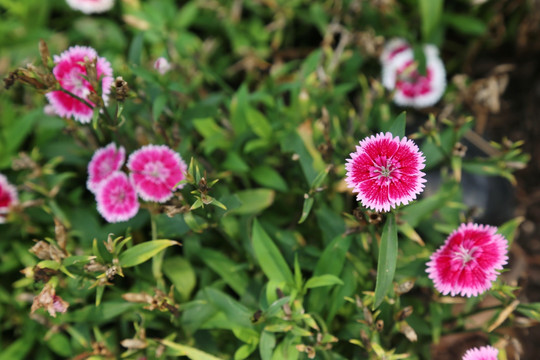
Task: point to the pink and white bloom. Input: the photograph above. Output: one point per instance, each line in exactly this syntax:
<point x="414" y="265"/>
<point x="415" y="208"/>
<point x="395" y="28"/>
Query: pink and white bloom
<point x="162" y="65"/>
<point x="469" y="260"/>
<point x="116" y="198"/>
<point x="392" y="48"/>
<point x="385" y="171"/>
<point x="91" y="6"/>
<point x="70" y="71"/>
<point x="104" y="162"/>
<point x="481" y="353"/>
<point x="8" y="197"/>
<point x="155" y="170"/>
<point x="400" y="74"/>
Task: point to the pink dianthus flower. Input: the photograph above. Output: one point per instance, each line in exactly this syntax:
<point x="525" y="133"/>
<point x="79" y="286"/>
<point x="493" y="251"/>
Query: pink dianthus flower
<point x="8" y="197"/>
<point x="91" y="6"/>
<point x="468" y="261"/>
<point x="392" y="48"/>
<point x="70" y="71"/>
<point x="155" y="170"/>
<point x="481" y="353"/>
<point x="116" y="198"/>
<point x="385" y="171"/>
<point x="162" y="65"/>
<point x="104" y="162"/>
<point x="400" y="73"/>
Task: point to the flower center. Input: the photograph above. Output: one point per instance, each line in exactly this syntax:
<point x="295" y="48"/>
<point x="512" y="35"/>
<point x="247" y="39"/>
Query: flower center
<point x="156" y="170"/>
<point x="77" y="84"/>
<point x="120" y="196"/>
<point x="384" y="169"/>
<point x="465" y="254"/>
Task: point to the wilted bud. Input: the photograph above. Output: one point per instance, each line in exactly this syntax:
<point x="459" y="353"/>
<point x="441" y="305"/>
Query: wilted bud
<point x="60" y="232"/>
<point x="374" y="217"/>
<point x="404" y="313"/>
<point x="459" y="150"/>
<point x="137" y="297"/>
<point x="134" y="344"/>
<point x="10" y="80"/>
<point x="94" y="266"/>
<point x="121" y="89"/>
<point x="404" y="287"/>
<point x="408" y="331"/>
<point x="48" y="300"/>
<point x="91" y="72"/>
<point x="368" y="316"/>
<point x="45" y="251"/>
<point x="44" y="52"/>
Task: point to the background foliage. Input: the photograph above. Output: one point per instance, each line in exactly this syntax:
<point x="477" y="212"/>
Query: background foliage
<point x="269" y="98"/>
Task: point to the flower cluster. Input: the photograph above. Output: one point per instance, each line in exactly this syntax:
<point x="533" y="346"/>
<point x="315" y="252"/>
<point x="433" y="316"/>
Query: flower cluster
<point x="385" y="171"/>
<point x="400" y="73"/>
<point x="71" y="72"/>
<point x="481" y="353"/>
<point x="155" y="171"/>
<point x="91" y="6"/>
<point x="8" y="197"/>
<point x="468" y="261"/>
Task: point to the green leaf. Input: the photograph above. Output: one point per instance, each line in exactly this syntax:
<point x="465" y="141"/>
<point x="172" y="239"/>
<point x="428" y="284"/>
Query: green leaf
<point x="398" y="126"/>
<point x="268" y="177"/>
<point x="267" y="253"/>
<point x="258" y="123"/>
<point x="508" y="229"/>
<point x="158" y="105"/>
<point x="135" y="50"/>
<point x="253" y="201"/>
<point x="267" y="345"/>
<point x="179" y="271"/>
<point x="386" y="265"/>
<point x="239" y="109"/>
<point x="323" y="280"/>
<point x="186" y="15"/>
<point x="192" y="353"/>
<point x="430" y="12"/>
<point x="330" y="262"/>
<point x="226" y="268"/>
<point x="306" y="209"/>
<point x="143" y="252"/>
<point x="465" y="24"/>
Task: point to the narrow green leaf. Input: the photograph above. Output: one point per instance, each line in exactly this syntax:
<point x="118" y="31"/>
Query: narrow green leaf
<point x="226" y="268"/>
<point x="135" y="50"/>
<point x="465" y="24"/>
<point x="158" y="106"/>
<point x="180" y="272"/>
<point x="267" y="345"/>
<point x="258" y="123"/>
<point x="430" y="12"/>
<point x="142" y="252"/>
<point x="306" y="209"/>
<point x="267" y="253"/>
<point x="268" y="177"/>
<point x="297" y="273"/>
<point x="398" y="126"/>
<point x="508" y="229"/>
<point x="323" y="280"/>
<point x="386" y="265"/>
<point x="253" y="201"/>
<point x="192" y="353"/>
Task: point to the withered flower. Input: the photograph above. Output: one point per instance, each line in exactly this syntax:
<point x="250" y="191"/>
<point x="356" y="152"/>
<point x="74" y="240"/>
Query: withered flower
<point x="48" y="300"/>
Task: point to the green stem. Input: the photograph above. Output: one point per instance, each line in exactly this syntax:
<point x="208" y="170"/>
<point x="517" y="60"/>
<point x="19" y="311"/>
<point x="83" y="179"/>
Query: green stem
<point x="157" y="261"/>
